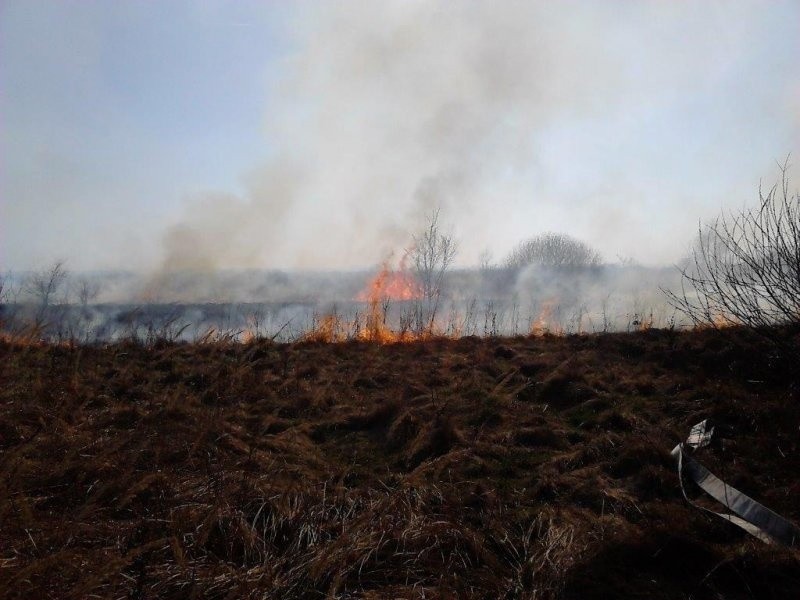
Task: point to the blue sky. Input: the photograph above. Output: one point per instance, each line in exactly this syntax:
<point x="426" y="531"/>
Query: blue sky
<point x="112" y="112"/>
<point x="241" y="134"/>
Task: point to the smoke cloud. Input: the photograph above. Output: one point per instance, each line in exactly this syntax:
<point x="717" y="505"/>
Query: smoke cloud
<point x="160" y="137"/>
<point x="514" y="119"/>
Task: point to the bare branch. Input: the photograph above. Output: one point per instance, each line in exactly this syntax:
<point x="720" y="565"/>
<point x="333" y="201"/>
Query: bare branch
<point x="745" y="267"/>
<point x="433" y="254"/>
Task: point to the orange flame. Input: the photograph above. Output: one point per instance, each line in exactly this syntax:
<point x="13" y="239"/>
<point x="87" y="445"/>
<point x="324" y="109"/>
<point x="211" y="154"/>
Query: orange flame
<point x="642" y="322"/>
<point x="391" y="285"/>
<point x="718" y="320"/>
<point x="387" y="285"/>
<point x="543" y="323"/>
<point x="328" y="329"/>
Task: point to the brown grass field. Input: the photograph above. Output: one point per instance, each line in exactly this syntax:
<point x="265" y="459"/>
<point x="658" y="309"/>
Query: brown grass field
<point x="533" y="467"/>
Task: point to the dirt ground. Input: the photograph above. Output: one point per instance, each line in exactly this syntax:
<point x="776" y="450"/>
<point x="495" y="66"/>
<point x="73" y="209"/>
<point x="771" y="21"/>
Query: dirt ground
<point x="534" y="467"/>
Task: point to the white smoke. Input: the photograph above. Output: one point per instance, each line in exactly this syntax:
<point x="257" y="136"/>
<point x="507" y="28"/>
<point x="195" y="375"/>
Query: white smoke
<point x="387" y="109"/>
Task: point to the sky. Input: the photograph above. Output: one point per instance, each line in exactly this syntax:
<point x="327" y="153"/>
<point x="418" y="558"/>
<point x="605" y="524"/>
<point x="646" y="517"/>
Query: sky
<point x="318" y="135"/>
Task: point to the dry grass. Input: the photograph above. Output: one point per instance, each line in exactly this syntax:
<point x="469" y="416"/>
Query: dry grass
<point x="474" y="468"/>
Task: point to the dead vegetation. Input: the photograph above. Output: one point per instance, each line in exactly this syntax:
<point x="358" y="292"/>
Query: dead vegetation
<point x="745" y="267"/>
<point x="522" y="468"/>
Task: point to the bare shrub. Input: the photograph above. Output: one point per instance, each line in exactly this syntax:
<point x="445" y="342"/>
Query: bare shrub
<point x="554" y="250"/>
<point x="4" y="294"/>
<point x="44" y="285"/>
<point x="87" y="291"/>
<point x="745" y="267"/>
<point x="45" y="288"/>
<point x="433" y="254"/>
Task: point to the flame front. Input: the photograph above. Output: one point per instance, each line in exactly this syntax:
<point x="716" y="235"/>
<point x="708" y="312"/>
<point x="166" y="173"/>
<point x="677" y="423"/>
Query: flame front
<point x="391" y="285"/>
<point x="388" y="285"/>
<point x="543" y="323"/>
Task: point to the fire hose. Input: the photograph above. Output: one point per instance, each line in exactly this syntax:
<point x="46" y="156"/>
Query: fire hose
<point x="755" y="518"/>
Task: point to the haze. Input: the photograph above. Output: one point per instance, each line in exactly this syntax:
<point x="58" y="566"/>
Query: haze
<point x="152" y="136"/>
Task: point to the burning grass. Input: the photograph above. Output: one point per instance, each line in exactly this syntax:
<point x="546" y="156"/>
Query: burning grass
<point x="389" y="284"/>
<point x="372" y="325"/>
<point x="532" y="467"/>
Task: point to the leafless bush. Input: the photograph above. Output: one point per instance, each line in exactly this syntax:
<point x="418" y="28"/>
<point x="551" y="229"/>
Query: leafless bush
<point x="433" y="254"/>
<point x="87" y="291"/>
<point x="45" y="288"/>
<point x="5" y="288"/>
<point x="745" y="267"/>
<point x="44" y="285"/>
<point x="4" y="293"/>
<point x="555" y="250"/>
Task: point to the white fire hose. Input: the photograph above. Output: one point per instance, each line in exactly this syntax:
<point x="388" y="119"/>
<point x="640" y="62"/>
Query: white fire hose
<point x="756" y="519"/>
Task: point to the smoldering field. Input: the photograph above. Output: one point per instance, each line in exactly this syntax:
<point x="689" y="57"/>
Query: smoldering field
<point x="513" y="122"/>
<point x="290" y="305"/>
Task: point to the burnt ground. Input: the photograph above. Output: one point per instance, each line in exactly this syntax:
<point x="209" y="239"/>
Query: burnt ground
<point x="473" y="468"/>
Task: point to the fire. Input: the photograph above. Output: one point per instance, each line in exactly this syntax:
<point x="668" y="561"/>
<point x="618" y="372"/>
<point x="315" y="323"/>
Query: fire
<point x="642" y="323"/>
<point x="371" y="325"/>
<point x="718" y="320"/>
<point x="327" y="328"/>
<point x="391" y="285"/>
<point x="543" y="323"/>
<point x="387" y="285"/>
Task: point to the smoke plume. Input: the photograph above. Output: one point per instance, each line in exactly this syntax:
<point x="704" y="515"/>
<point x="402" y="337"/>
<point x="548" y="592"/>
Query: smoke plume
<point x="385" y="110"/>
